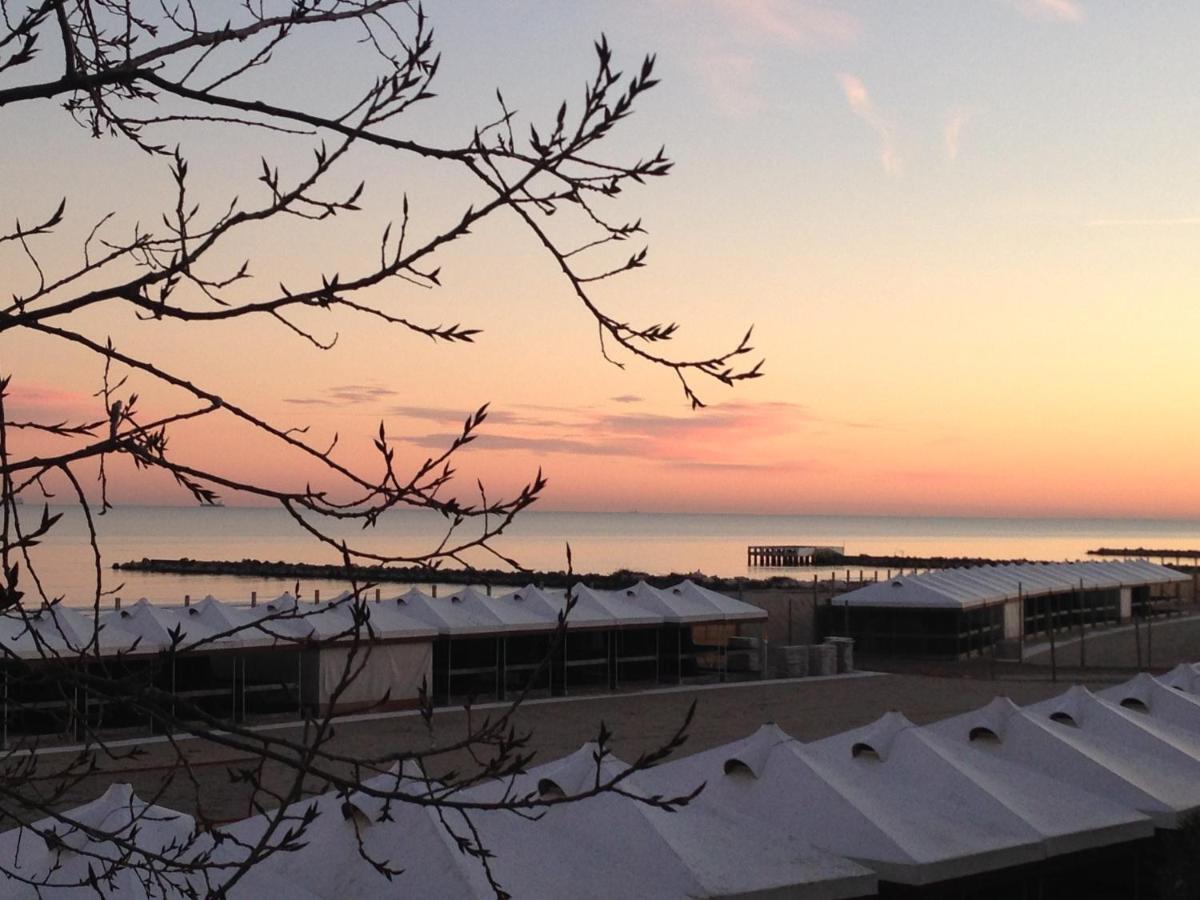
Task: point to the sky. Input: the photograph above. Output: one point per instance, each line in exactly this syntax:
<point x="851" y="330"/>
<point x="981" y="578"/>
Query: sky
<point x="965" y="232"/>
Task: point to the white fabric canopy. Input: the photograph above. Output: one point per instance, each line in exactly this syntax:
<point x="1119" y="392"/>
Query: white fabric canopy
<point x="1129" y="765"/>
<point x="59" y="864"/>
<point x="972" y="586"/>
<point x="880" y="807"/>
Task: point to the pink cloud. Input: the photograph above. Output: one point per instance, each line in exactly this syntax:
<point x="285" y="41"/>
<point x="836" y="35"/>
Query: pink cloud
<point x="804" y="25"/>
<point x="952" y="133"/>
<point x="44" y="403"/>
<point x="863" y="107"/>
<point x="1052" y="10"/>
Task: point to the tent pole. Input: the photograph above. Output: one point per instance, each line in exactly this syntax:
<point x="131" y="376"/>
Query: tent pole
<point x="1053" y="658"/>
<point x="1149" y="613"/>
<point x="1082" y="635"/>
<point x="656" y="654"/>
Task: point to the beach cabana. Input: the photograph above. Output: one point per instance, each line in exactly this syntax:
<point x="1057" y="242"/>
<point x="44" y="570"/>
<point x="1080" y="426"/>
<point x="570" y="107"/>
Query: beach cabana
<point x="38" y="643"/>
<point x="384" y="668"/>
<point x="973" y="609"/>
<point x="697" y="624"/>
<point x="607" y="641"/>
<point x="483" y="645"/>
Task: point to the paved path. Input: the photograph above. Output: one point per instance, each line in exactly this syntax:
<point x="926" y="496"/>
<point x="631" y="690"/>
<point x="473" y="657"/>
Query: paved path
<point x="1164" y="645"/>
<point x="806" y="708"/>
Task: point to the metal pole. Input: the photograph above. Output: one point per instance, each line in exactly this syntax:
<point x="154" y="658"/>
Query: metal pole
<point x="679" y="655"/>
<point x="1021" y="613"/>
<point x="1137" y="636"/>
<point x="1082" y="630"/>
<point x="1053" y="656"/>
<point x="1149" y="635"/>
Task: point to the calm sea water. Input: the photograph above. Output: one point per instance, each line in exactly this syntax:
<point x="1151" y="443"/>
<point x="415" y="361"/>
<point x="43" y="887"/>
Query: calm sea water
<point x="600" y="542"/>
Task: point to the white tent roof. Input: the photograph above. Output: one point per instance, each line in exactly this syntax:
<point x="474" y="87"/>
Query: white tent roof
<point x="468" y="613"/>
<point x="59" y="865"/>
<point x="1184" y="677"/>
<point x="1146" y="694"/>
<point x="911" y="825"/>
<point x="606" y="608"/>
<point x="386" y="621"/>
<point x="733" y="609"/>
<point x="686" y="603"/>
<point x="62" y="631"/>
<point x="696" y="851"/>
<point x="1102" y="753"/>
<point x="330" y="864"/>
<point x="964" y="588"/>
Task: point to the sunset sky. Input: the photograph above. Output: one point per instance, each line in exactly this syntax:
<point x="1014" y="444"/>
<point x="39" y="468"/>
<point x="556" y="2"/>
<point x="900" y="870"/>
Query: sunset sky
<point x="967" y="235"/>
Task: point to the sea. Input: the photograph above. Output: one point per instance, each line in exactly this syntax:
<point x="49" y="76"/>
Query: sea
<point x="655" y="543"/>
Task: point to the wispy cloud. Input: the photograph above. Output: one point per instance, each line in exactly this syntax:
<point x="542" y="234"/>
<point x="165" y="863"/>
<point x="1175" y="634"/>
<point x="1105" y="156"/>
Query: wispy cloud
<point x="44" y="403"/>
<point x="952" y="133"/>
<point x="718" y="438"/>
<point x="730" y="59"/>
<point x="627" y="398"/>
<point x="863" y="106"/>
<point x="346" y="395"/>
<point x="732" y="83"/>
<point x="1134" y="223"/>
<point x="793" y="23"/>
<point x="1050" y="10"/>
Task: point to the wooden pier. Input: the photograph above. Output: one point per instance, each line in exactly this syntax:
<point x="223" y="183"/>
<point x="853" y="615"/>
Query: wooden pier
<point x="785" y="555"/>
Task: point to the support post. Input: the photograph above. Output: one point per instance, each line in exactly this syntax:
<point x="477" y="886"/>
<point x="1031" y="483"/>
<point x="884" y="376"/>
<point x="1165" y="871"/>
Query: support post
<point x="1053" y="657"/>
<point x="1082" y="628"/>
<point x="1137" y="639"/>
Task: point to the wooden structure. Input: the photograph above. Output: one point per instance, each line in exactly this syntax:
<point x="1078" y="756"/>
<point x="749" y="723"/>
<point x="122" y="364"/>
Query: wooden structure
<point x="793" y="555"/>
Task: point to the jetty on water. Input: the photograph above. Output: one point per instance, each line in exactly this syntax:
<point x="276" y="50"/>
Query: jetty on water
<point x="790" y="554"/>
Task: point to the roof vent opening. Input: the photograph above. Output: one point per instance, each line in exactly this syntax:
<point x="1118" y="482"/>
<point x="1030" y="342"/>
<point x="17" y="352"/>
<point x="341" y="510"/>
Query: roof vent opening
<point x="549" y="789"/>
<point x="896" y="582"/>
<point x="1064" y="719"/>
<point x="1135" y="704"/>
<point x="739" y="768"/>
<point x="350" y="810"/>
<point x="518" y="597"/>
<point x="860" y="750"/>
<point x="981" y="733"/>
<point x="676" y="591"/>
